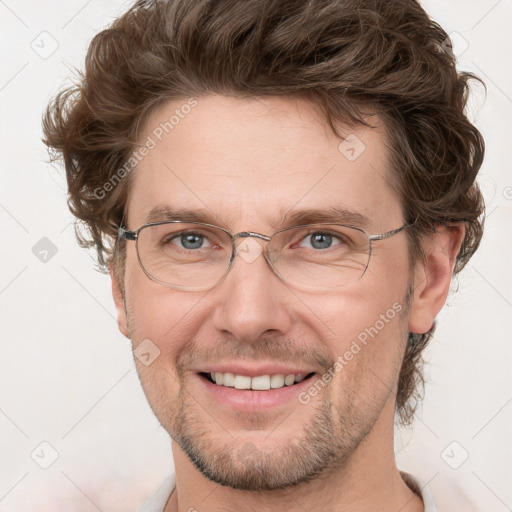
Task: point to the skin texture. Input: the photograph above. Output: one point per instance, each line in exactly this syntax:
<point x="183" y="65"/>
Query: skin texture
<point x="245" y="162"/>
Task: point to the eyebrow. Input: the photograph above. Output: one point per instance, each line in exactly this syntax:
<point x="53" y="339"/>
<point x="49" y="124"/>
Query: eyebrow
<point x="162" y="213"/>
<point x="331" y="215"/>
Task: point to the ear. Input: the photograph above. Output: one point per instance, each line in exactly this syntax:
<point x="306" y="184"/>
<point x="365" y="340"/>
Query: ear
<point x="432" y="278"/>
<point x="122" y="320"/>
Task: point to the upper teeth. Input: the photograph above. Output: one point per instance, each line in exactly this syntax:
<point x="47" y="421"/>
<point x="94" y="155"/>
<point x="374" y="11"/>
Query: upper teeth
<point x="261" y="382"/>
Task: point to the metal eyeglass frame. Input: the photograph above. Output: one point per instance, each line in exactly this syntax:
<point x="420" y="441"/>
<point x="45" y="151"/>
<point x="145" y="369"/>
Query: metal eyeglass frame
<point x="134" y="236"/>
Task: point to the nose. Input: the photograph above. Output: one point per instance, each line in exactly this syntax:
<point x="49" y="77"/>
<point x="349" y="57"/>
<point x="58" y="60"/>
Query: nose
<point x="252" y="301"/>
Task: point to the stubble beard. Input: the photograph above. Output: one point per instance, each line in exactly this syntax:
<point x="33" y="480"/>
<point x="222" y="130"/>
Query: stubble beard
<point x="326" y="442"/>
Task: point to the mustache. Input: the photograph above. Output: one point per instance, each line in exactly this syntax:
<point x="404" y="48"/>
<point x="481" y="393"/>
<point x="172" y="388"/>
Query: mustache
<point x="266" y="348"/>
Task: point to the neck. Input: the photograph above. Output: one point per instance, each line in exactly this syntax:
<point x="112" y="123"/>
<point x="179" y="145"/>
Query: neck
<point x="369" y="480"/>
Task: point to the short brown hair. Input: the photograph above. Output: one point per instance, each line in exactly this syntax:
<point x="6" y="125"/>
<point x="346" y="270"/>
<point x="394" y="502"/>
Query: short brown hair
<point x="351" y="58"/>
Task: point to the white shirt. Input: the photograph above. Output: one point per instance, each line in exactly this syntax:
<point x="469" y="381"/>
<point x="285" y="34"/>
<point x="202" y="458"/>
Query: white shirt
<point x="156" y="503"/>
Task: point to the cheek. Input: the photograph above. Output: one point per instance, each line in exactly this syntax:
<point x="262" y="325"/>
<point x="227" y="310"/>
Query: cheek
<point x="154" y="311"/>
<point x="365" y="330"/>
<point x="161" y="322"/>
<point x="357" y="314"/>
<point x="165" y="316"/>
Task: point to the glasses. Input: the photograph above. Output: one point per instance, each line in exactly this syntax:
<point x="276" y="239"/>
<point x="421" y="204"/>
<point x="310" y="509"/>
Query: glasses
<point x="194" y="256"/>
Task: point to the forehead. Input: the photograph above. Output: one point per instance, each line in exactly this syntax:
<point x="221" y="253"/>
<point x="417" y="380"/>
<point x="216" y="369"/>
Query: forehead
<point x="250" y="163"/>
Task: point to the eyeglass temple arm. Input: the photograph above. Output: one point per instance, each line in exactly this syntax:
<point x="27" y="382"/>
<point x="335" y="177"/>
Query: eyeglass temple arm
<point x="124" y="233"/>
<point x="389" y="234"/>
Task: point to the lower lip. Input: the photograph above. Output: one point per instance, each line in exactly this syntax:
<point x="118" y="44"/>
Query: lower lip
<point x="250" y="400"/>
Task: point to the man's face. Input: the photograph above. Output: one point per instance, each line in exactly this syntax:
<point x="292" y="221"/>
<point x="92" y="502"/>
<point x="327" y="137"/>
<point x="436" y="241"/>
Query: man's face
<point x="244" y="163"/>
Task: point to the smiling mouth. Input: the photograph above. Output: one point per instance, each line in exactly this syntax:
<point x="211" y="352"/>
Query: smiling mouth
<point x="258" y="383"/>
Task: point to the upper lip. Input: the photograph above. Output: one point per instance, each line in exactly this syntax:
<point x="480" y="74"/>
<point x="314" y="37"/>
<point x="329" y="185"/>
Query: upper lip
<point x="254" y="370"/>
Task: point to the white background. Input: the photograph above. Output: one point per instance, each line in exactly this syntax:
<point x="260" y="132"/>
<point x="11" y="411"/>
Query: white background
<point x="67" y="376"/>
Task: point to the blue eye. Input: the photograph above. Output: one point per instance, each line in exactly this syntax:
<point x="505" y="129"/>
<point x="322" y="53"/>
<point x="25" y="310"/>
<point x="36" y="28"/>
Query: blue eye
<point x="190" y="241"/>
<point x="320" y="240"/>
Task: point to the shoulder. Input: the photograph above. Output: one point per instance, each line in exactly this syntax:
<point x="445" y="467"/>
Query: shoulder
<point x="156" y="502"/>
<point x="421" y="489"/>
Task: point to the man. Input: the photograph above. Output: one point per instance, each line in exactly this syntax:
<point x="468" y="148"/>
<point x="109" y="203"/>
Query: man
<point x="282" y="192"/>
